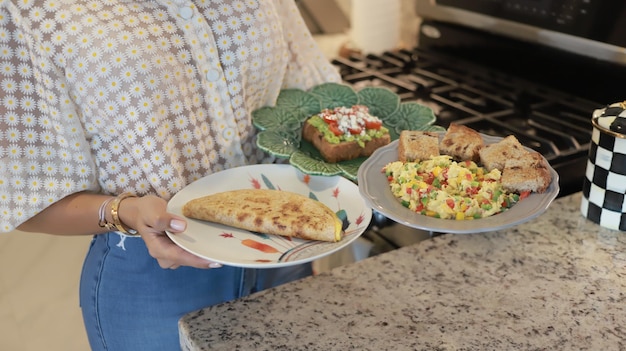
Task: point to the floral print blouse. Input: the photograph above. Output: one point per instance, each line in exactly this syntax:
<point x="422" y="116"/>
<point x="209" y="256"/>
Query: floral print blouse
<point x="142" y="96"/>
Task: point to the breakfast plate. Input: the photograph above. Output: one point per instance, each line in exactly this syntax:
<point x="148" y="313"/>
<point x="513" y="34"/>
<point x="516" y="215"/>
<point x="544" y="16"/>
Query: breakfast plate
<point x="374" y="188"/>
<point x="242" y="248"/>
<point x="281" y="125"/>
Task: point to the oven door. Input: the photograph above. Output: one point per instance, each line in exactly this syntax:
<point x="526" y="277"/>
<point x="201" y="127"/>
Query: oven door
<point x="583" y="27"/>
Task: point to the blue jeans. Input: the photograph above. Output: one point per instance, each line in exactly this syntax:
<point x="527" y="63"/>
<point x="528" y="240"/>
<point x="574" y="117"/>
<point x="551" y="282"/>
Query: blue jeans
<point x="130" y="303"/>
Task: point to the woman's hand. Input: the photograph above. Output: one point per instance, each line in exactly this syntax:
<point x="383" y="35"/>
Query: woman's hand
<point x="148" y="215"/>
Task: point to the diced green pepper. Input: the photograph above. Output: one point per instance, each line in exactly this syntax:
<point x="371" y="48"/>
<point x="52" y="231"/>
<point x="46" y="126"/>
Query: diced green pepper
<point x="496" y="195"/>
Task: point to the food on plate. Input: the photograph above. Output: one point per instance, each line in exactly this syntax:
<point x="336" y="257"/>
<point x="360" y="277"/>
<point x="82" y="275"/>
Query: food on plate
<point x="414" y="145"/>
<point x="461" y="142"/>
<point x="345" y="133"/>
<point x="494" y="156"/>
<point x="527" y="173"/>
<point x="522" y="170"/>
<point x="456" y="185"/>
<point x="270" y="212"/>
<point x="443" y="188"/>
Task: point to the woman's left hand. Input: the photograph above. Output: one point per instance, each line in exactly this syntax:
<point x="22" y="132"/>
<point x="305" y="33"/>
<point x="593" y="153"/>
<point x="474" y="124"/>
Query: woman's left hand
<point x="148" y="215"/>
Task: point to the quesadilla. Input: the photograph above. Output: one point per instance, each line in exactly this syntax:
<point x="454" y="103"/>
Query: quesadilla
<point x="270" y="212"/>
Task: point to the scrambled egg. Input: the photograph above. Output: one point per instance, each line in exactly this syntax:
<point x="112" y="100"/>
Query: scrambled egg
<point x="443" y="188"/>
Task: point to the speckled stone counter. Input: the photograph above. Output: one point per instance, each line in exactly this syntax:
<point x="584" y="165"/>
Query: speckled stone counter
<point x="557" y="282"/>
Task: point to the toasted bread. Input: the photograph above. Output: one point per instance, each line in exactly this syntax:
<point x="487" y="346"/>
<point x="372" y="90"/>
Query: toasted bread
<point x="343" y="151"/>
<point x="494" y="156"/>
<point x="414" y="146"/>
<point x="529" y="172"/>
<point x="461" y="142"/>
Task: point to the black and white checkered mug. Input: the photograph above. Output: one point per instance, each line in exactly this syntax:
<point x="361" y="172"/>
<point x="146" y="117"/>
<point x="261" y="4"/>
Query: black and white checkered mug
<point x="604" y="185"/>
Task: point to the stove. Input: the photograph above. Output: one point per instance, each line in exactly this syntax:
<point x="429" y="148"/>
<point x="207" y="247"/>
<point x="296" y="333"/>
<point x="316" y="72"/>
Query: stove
<point x="549" y="113"/>
<point x="556" y="124"/>
<point x="497" y="84"/>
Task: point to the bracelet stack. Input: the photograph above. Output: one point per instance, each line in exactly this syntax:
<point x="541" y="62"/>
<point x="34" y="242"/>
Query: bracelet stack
<point x="102" y="221"/>
<point x="117" y="223"/>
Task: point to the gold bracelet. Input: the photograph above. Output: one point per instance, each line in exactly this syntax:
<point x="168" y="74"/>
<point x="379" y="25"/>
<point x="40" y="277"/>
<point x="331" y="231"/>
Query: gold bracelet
<point x="115" y="206"/>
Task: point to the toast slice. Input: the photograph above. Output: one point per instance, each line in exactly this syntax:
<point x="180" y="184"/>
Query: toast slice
<point x="529" y="172"/>
<point x="343" y="151"/>
<point x="461" y="142"/>
<point x="415" y="146"/>
<point x="494" y="156"/>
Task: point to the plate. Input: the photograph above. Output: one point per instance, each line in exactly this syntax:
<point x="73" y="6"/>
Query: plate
<point x="281" y="125"/>
<point x="242" y="248"/>
<point x="374" y="187"/>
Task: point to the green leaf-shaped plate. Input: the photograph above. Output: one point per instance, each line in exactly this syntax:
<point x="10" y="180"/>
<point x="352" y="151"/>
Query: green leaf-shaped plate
<point x="281" y="125"/>
<point x="334" y="95"/>
<point x="381" y="102"/>
<point x="303" y="103"/>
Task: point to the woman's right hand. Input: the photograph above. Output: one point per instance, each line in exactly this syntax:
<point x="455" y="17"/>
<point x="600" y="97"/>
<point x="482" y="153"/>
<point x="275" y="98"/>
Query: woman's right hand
<point x="148" y="215"/>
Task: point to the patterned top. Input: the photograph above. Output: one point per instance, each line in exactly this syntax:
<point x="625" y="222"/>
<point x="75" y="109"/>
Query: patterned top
<point x="140" y="96"/>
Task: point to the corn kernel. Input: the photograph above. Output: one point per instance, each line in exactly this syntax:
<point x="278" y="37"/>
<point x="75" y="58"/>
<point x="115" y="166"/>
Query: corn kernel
<point x="436" y="171"/>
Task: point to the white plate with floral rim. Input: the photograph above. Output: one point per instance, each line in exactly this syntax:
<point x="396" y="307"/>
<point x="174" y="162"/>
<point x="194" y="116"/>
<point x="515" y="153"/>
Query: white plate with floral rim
<point x="241" y="248"/>
<point x="281" y="125"/>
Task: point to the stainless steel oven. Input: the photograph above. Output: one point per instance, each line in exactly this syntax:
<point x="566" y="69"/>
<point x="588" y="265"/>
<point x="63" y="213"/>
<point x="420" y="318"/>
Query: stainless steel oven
<point x="592" y="28"/>
<point x="533" y="68"/>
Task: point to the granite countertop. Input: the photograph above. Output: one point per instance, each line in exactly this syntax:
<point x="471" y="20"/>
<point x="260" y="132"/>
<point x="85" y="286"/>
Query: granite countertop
<point x="557" y="282"/>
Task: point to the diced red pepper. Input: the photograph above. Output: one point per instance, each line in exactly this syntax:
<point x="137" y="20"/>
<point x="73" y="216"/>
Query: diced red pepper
<point x="428" y="178"/>
<point x="506" y="203"/>
<point x="450" y="203"/>
<point x="470" y="190"/>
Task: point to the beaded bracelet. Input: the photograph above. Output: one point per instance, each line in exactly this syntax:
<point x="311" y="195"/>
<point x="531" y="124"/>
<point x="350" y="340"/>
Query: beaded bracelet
<point x="115" y="205"/>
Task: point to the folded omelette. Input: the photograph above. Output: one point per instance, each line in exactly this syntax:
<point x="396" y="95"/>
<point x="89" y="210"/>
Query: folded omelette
<point x="268" y="211"/>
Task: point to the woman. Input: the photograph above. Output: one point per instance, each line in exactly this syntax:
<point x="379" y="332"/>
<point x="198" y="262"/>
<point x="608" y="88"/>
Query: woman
<point x="109" y="108"/>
